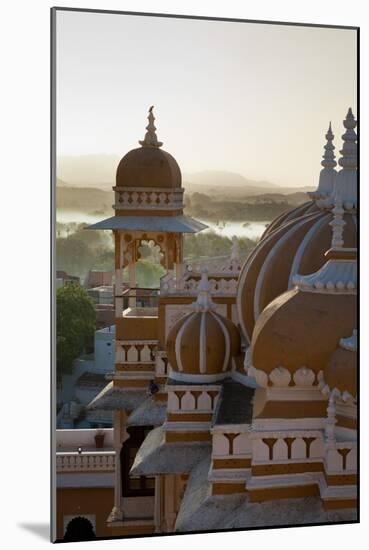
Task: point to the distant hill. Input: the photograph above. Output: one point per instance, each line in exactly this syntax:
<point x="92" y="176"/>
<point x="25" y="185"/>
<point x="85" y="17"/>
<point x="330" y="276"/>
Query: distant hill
<point x="220" y="178"/>
<point x="86" y="199"/>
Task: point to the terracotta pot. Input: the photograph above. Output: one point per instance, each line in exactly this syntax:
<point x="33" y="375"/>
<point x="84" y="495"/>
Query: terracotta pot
<point x="99" y="441"/>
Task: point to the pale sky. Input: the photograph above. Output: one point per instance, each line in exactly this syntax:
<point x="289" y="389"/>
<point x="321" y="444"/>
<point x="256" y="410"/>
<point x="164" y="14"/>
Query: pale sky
<point x="243" y="97"/>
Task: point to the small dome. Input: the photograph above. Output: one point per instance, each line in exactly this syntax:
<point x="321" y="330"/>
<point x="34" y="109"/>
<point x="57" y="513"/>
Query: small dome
<point x="200" y="346"/>
<point x="149" y="166"/>
<point x="341" y="370"/>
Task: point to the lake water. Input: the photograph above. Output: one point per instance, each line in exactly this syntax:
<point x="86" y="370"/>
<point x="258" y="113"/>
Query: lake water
<point x="251" y="230"/>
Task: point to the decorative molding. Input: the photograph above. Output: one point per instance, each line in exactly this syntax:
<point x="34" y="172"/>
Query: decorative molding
<point x="280" y="377"/>
<point x="335" y="277"/>
<point x="304" y="376"/>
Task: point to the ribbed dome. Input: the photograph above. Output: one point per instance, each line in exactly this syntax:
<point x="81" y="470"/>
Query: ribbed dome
<point x="296" y="246"/>
<point x="341" y="370"/>
<point x="148" y="167"/>
<point x="200" y="346"/>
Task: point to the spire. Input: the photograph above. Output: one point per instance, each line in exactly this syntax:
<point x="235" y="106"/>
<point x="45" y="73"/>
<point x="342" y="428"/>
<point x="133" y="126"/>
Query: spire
<point x="348" y="160"/>
<point x="346" y="181"/>
<point x="329" y="156"/>
<point x="151" y="139"/>
<point x="328" y="173"/>
<point x="204" y="301"/>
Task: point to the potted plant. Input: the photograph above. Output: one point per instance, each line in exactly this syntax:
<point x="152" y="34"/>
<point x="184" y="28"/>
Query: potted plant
<point x="99" y="439"/>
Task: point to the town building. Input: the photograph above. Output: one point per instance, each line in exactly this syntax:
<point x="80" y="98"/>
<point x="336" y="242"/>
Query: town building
<point x="234" y="398"/>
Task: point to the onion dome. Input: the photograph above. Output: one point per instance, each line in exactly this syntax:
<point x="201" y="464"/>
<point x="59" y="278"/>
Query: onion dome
<point x="201" y="345"/>
<point x="297" y="332"/>
<point x="296" y="242"/>
<point x="340" y="373"/>
<point x="149" y="166"/>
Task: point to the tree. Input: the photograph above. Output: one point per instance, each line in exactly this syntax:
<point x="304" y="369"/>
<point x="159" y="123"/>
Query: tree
<point x="75" y="325"/>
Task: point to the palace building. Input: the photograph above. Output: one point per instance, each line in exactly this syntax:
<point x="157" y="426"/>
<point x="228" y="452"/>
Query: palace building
<point x="234" y="393"/>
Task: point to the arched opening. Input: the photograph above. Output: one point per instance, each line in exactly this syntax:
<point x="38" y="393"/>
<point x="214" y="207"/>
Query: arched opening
<point x="134" y="485"/>
<point x="79" y="529"/>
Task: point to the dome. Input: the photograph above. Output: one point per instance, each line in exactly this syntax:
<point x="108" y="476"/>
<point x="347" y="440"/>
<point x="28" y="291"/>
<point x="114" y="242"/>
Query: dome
<point x="341" y="370"/>
<point x="297" y="246"/>
<point x="301" y="329"/>
<point x="200" y="346"/>
<point x="298" y="331"/>
<point x="148" y="166"/>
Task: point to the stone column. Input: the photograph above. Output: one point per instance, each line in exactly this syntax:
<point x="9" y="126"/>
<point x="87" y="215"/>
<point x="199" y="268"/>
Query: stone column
<point x="119" y="438"/>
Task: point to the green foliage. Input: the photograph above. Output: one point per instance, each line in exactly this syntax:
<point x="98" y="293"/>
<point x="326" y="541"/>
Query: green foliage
<point x="148" y="274"/>
<point x="210" y="244"/>
<point x="75" y="325"/>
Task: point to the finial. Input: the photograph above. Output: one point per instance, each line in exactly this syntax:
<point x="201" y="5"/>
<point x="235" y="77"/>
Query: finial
<point x="337" y="224"/>
<point x="349" y="149"/>
<point x="346" y="180"/>
<point x="204" y="301"/>
<point x="328" y="173"/>
<point x="151" y="139"/>
<point x="328" y="155"/>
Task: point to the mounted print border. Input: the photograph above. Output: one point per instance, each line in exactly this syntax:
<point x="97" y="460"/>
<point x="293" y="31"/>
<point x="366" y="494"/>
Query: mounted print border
<point x="204" y="300"/>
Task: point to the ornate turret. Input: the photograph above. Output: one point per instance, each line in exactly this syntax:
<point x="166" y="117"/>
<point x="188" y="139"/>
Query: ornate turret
<point x="201" y="345"/>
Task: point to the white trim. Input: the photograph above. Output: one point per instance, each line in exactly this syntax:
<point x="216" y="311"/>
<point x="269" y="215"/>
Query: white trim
<point x="301" y="249"/>
<point x="186" y="426"/>
<point x="279" y="434"/>
<point x="295" y="393"/>
<point x="289" y="424"/>
<point x="229" y="475"/>
<point x="230" y="428"/>
<point x="271" y="254"/>
<point x="199" y="378"/>
<point x="202" y="351"/>
<point x="227" y="341"/>
<point x="244" y="379"/>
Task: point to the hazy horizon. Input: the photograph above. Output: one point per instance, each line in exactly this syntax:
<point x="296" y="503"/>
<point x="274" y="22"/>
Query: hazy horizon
<point x="251" y="99"/>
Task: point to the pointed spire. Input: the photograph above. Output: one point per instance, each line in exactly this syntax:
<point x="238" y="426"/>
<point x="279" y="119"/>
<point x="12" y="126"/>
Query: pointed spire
<point x="329" y="156"/>
<point x="346" y="181"/>
<point x="151" y="139"/>
<point x="204" y="301"/>
<point x="349" y="149"/>
<point x="328" y="173"/>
